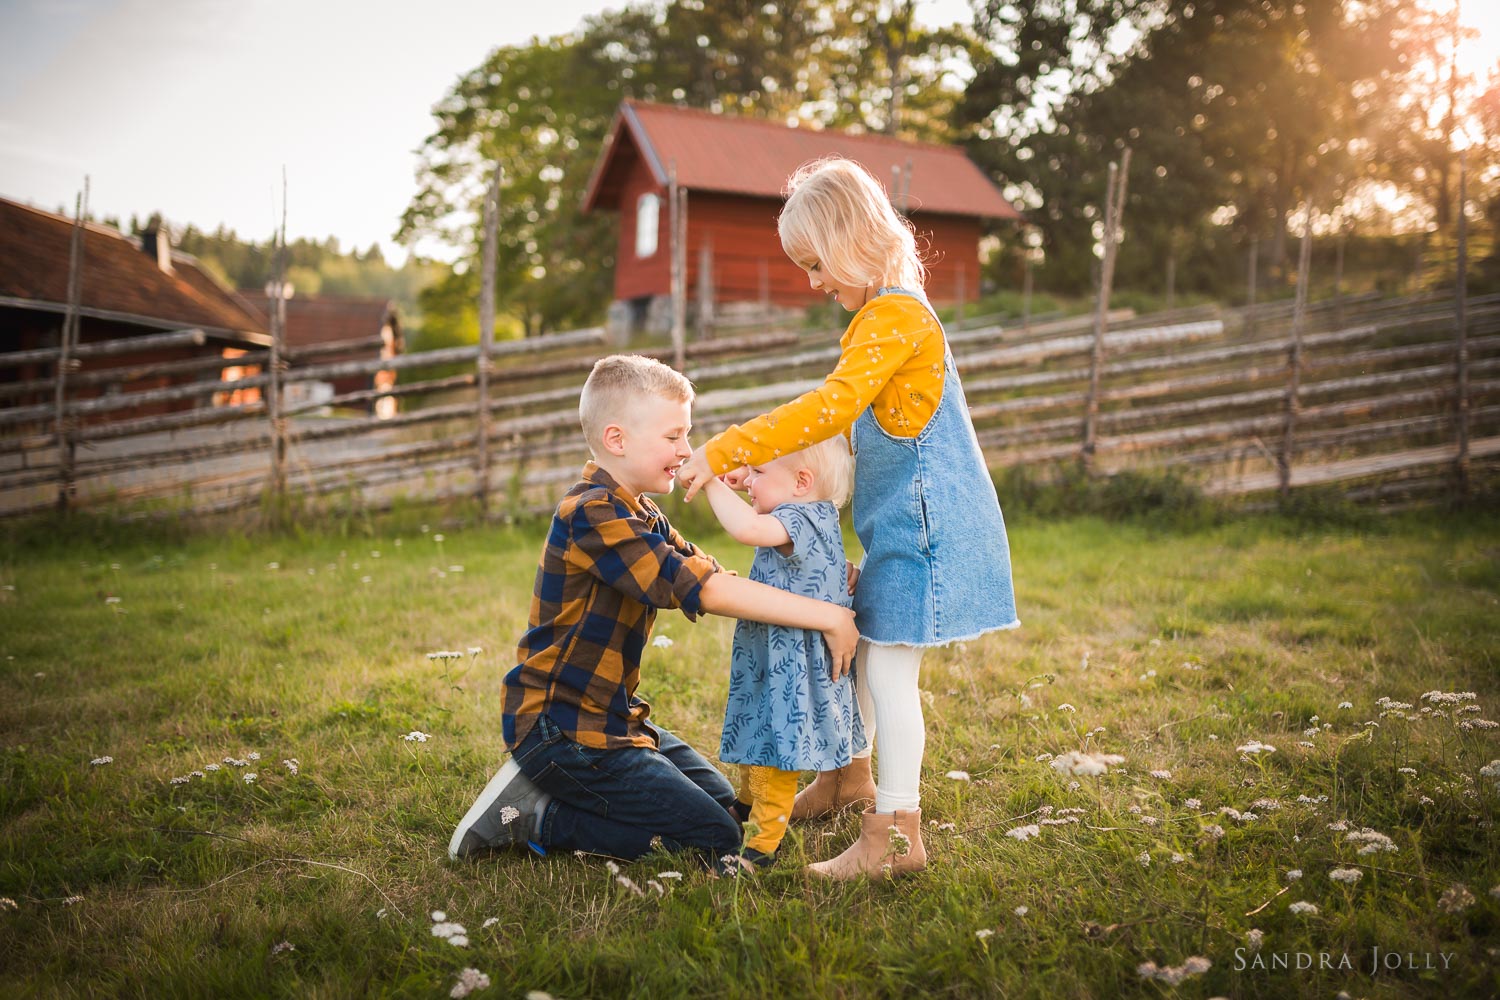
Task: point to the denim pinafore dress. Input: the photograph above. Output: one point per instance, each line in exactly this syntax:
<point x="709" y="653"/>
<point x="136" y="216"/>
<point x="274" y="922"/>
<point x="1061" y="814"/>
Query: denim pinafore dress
<point x="937" y="562"/>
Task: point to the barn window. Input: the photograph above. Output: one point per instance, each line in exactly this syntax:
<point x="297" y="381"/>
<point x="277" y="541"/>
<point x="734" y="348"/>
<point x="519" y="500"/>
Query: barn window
<point x="647" y="214"/>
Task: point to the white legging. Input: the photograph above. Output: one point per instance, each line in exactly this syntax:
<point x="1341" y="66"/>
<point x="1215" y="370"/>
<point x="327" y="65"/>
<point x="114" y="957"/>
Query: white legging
<point x="885" y="686"/>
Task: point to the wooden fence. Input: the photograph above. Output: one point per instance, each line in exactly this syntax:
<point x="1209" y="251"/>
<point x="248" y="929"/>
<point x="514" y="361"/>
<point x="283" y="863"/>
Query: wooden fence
<point x="1385" y="402"/>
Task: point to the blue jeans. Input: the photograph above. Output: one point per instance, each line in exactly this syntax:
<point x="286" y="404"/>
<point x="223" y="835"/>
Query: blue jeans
<point x="616" y="802"/>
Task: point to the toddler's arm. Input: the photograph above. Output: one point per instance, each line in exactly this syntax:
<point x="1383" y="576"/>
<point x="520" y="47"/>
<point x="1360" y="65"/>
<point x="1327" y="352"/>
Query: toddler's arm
<point x="742" y="522"/>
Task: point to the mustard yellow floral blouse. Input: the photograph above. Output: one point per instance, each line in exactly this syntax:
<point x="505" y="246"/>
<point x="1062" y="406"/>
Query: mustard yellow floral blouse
<point x="891" y="358"/>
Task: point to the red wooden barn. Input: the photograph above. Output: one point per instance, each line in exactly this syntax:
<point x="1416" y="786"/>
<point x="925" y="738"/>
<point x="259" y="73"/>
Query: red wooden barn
<point x="734" y="169"/>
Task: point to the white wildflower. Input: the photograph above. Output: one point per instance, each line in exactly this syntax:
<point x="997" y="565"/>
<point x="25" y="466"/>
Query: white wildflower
<point x="959" y="775"/>
<point x="675" y="875"/>
<point x="1177" y="859"/>
<point x="1294" y="875"/>
<point x="1306" y="745"/>
<point x="469" y="980"/>
<point x="211" y="767"/>
<point x="1043" y="756"/>
<point x="983" y="933"/>
<point x="662" y="642"/>
<point x="488" y="923"/>
<point x="1266" y="805"/>
<point x="181" y="781"/>
<point x="1162" y="775"/>
<point x="1065" y="707"/>
<point x="111" y="600"/>
<point x="1024" y="833"/>
<point x="1193" y="804"/>
<point x="508" y="815"/>
<point x="1447" y="697"/>
<point x="1406" y="770"/>
<point x="1144" y="859"/>
<point x="252" y="755"/>
<point x="448" y="930"/>
<point x="475" y="650"/>
<point x="1256" y="746"/>
<point x="1346" y="704"/>
<point x="6" y="903"/>
<point x="282" y="947"/>
<point x="1338" y="826"/>
<point x="1172" y="975"/>
<point x="438" y="916"/>
<point x="1348" y="876"/>
<point x="273" y="565"/>
<point x="291" y="765"/>
<point x="249" y="777"/>
<point x="1371" y="841"/>
<point x="1215" y="831"/>
<point x="101" y="761"/>
<point x="1303" y="907"/>
<point x="1254" y="938"/>
<point x="72" y="901"/>
<point x="417" y="736"/>
<point x="1080" y="763"/>
<point x="1456" y="899"/>
<point x="946" y="826"/>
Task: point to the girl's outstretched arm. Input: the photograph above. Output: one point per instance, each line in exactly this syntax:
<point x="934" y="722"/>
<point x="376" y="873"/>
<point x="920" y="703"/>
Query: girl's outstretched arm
<point x="740" y="519"/>
<point x="736" y="597"/>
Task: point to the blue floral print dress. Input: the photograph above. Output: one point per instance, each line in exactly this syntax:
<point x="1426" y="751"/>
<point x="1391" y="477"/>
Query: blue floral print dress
<point x="784" y="709"/>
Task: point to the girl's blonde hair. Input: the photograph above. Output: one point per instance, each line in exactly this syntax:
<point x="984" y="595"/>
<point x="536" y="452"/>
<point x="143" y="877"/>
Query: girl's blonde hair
<point x="838" y="216"/>
<point x="832" y="468"/>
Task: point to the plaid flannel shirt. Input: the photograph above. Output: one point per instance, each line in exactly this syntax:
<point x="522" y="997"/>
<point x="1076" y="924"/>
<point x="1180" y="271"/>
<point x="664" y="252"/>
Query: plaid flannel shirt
<point x="611" y="560"/>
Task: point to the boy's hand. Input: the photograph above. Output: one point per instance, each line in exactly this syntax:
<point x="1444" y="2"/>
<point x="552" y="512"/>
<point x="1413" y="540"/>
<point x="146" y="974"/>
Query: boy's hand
<point x="842" y="638"/>
<point x="853" y="572"/>
<point x="692" y="475"/>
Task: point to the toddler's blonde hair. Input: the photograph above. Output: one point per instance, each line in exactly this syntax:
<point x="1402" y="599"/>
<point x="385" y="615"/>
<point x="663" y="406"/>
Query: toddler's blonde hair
<point x="838" y="216"/>
<point x="619" y="381"/>
<point x="832" y="468"/>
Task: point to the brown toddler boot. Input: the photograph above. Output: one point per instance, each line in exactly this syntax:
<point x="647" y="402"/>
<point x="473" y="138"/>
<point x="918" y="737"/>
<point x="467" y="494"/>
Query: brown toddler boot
<point x="889" y="844"/>
<point x="831" y="791"/>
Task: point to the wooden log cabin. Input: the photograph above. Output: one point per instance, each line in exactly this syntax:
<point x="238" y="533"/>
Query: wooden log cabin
<point x="733" y="169"/>
<point x="129" y="287"/>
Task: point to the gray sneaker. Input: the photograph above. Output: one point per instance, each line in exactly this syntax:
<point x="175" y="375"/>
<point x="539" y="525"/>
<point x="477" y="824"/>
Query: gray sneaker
<point x="501" y="816"/>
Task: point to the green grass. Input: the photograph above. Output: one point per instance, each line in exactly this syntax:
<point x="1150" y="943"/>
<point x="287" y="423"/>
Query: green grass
<point x="1195" y="640"/>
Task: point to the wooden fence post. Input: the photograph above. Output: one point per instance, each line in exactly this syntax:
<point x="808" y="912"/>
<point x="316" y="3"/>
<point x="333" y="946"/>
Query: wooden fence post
<point x="958" y="315"/>
<point x="277" y="364"/>
<point x="677" y="219"/>
<point x="1114" y="204"/>
<point x="490" y="258"/>
<point x="65" y="443"/>
<point x="1293" y="406"/>
<point x="1026" y="281"/>
<point x="705" y="288"/>
<point x="1251" y="286"/>
<point x="1461" y="317"/>
<point x="1338" y="275"/>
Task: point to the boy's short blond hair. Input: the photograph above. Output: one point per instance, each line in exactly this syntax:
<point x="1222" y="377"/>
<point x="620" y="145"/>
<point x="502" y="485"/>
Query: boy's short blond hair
<point x="620" y="380"/>
<point x="832" y="468"/>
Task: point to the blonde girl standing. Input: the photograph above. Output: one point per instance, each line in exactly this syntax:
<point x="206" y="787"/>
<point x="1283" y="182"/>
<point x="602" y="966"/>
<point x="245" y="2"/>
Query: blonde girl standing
<point x="937" y="562"/>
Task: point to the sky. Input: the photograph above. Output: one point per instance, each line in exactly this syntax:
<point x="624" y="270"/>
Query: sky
<point x="191" y="108"/>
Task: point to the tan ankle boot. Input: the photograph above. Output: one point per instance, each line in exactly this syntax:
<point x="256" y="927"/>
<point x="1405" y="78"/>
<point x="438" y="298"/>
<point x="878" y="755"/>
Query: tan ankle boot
<point x="831" y="791"/>
<point x="889" y="844"/>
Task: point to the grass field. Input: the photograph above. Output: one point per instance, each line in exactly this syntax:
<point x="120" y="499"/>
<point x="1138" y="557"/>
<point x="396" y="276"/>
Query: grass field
<point x="130" y="661"/>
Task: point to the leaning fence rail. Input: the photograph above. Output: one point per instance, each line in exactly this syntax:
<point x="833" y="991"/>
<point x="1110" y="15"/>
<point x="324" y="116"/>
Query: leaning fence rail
<point x="1202" y="390"/>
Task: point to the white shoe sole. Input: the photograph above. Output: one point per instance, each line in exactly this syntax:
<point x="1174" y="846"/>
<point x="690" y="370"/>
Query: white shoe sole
<point x="492" y="791"/>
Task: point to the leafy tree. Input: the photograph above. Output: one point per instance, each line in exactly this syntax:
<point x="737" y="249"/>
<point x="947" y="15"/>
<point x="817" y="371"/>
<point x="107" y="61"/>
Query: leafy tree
<point x="541" y="113"/>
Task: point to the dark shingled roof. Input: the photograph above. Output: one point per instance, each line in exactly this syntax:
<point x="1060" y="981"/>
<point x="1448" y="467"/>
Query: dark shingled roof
<point x="118" y="277"/>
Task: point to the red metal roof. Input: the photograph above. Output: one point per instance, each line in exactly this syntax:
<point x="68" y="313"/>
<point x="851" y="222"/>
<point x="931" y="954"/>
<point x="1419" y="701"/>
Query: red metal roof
<point x="324" y="319"/>
<point x="117" y="276"/>
<point x="753" y="156"/>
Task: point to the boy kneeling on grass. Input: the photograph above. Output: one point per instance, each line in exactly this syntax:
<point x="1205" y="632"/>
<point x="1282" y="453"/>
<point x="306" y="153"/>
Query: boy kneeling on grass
<point x="587" y="771"/>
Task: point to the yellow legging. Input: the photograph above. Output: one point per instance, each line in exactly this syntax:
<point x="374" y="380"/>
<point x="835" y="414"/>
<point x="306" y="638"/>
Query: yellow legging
<point x="769" y="793"/>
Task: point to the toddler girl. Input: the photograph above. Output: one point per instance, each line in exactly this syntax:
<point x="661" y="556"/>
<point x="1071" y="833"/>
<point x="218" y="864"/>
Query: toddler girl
<point x="787" y="711"/>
